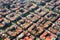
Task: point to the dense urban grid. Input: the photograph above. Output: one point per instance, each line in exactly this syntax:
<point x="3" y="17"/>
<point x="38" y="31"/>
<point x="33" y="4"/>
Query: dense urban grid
<point x="30" y="20"/>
